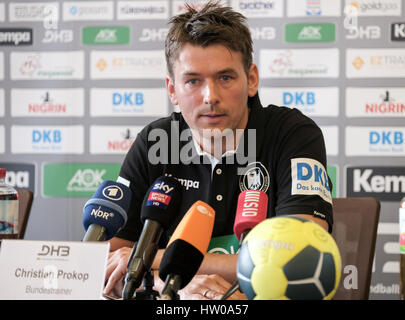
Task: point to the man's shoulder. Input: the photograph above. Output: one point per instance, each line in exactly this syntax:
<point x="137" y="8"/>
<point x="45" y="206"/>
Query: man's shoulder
<point x="165" y="122"/>
<point x="274" y="115"/>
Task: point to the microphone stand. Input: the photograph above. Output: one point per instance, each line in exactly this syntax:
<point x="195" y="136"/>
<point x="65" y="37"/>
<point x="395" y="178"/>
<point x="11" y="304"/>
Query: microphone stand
<point x="129" y="292"/>
<point x="148" y="293"/>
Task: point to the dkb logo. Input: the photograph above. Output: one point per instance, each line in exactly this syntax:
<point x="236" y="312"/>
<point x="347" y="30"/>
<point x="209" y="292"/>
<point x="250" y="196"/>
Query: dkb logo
<point x="46" y="136"/>
<point x="386" y="138"/>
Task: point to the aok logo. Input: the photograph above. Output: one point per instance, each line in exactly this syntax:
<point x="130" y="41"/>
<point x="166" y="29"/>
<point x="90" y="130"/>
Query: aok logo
<point x="46" y="136"/>
<point x="58" y="251"/>
<point x="98" y="213"/>
<point x="386" y="138"/>
<point x="87" y="178"/>
<point x="128" y="99"/>
<point x="299" y="98"/>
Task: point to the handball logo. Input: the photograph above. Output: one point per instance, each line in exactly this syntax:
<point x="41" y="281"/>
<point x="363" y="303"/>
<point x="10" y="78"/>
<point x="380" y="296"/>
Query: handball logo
<point x="113" y="193"/>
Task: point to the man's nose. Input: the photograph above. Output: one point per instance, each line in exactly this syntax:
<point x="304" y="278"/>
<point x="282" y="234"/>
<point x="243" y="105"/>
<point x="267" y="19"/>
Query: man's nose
<point x="210" y="93"/>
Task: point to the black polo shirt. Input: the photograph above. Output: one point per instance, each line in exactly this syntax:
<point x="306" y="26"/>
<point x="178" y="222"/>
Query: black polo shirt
<point x="288" y="163"/>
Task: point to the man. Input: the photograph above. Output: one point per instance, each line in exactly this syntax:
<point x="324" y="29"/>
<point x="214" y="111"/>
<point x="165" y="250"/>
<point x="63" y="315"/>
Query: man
<point x="212" y="79"/>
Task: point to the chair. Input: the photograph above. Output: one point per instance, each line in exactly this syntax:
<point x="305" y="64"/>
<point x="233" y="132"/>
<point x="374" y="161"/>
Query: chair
<point x="25" y="198"/>
<point x="355" y="232"/>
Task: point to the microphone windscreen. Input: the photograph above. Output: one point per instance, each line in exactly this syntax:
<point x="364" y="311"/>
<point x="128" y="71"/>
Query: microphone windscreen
<point x="180" y="258"/>
<point x="162" y="201"/>
<point x="251" y="210"/>
<point x="108" y="207"/>
<point x="196" y="226"/>
<point x="189" y="243"/>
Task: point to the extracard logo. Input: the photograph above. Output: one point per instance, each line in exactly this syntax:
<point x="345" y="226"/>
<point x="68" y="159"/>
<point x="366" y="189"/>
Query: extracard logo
<point x="15" y="37"/>
<point x="383" y="183"/>
<point x="372" y="63"/>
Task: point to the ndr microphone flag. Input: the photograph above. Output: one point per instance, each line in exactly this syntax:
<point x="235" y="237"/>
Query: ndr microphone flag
<point x="106" y="212"/>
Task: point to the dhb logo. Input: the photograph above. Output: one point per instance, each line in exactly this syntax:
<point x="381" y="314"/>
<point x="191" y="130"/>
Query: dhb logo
<point x="58" y="251"/>
<point x="299" y="98"/>
<point x="128" y="99"/>
<point x="386" y="138"/>
<point x="46" y="136"/>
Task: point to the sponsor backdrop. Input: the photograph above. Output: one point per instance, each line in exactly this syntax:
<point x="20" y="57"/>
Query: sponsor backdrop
<point x="79" y="79"/>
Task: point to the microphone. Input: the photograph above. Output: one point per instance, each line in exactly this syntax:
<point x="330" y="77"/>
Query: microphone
<point x="186" y="249"/>
<point x="159" y="208"/>
<point x="105" y="213"/>
<point x="251" y="210"/>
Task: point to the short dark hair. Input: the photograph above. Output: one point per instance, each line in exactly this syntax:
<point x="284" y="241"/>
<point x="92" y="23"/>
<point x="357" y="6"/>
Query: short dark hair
<point x="212" y="24"/>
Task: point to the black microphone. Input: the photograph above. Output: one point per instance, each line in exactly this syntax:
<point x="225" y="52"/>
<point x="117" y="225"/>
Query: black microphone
<point x="106" y="212"/>
<point x="159" y="208"/>
<point x="186" y="249"/>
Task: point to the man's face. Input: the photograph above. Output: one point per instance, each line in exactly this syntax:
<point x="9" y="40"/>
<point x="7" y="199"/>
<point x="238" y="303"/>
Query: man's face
<point x="211" y="87"/>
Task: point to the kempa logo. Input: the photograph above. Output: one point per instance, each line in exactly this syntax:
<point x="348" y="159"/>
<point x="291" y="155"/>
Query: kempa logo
<point x="398" y="31"/>
<point x="384" y="183"/>
<point x="15" y="37"/>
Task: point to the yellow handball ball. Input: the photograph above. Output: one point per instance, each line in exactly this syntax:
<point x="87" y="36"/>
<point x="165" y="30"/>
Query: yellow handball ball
<point x="289" y="258"/>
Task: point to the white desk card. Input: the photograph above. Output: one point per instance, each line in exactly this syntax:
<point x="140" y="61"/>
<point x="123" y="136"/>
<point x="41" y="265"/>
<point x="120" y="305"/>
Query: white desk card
<point x="52" y="270"/>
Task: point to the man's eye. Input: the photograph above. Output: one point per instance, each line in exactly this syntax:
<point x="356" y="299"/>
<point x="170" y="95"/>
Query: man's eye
<point x="226" y="78"/>
<point x="192" y="81"/>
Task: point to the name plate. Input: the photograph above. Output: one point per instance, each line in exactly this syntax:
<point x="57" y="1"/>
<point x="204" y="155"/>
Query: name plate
<point x="52" y="270"/>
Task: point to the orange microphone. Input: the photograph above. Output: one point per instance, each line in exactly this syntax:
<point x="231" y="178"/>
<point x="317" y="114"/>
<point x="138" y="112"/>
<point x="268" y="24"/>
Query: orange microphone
<point x="186" y="249"/>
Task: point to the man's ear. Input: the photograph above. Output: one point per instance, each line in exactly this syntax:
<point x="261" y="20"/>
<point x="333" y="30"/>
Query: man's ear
<point x="253" y="80"/>
<point x="171" y="90"/>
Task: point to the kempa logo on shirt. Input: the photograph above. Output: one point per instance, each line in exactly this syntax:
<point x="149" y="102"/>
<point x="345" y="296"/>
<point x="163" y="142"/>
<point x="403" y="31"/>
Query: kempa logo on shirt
<point x="15" y="37"/>
<point x="186" y="182"/>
